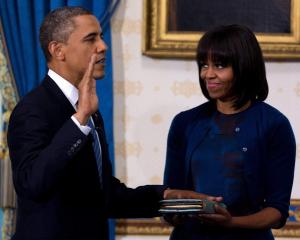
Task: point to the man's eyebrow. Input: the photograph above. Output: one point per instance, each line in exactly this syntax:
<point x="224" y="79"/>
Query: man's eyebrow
<point x="93" y="34"/>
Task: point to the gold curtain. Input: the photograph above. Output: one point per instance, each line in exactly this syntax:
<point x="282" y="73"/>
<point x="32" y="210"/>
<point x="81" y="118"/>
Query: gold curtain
<point x="8" y="99"/>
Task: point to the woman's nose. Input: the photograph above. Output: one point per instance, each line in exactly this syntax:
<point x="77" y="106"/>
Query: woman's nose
<point x="210" y="73"/>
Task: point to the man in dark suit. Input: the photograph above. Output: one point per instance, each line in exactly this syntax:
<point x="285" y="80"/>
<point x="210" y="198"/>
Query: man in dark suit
<point x="65" y="190"/>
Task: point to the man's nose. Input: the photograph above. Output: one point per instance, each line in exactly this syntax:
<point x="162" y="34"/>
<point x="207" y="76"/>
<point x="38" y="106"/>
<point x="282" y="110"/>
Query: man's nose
<point x="101" y="46"/>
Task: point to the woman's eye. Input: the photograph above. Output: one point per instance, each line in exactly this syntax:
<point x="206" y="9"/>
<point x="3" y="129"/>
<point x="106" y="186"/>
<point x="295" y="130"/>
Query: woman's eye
<point x="204" y="66"/>
<point x="219" y="65"/>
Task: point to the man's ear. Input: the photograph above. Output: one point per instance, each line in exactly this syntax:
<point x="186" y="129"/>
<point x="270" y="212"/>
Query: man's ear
<point x="56" y="50"/>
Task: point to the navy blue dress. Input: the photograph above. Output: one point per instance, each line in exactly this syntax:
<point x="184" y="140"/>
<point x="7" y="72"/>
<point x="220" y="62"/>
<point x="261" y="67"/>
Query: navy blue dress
<point x="221" y="172"/>
<point x="235" y="156"/>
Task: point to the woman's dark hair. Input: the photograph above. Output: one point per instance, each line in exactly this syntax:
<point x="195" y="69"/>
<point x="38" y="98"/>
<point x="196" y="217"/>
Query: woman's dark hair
<point x="235" y="46"/>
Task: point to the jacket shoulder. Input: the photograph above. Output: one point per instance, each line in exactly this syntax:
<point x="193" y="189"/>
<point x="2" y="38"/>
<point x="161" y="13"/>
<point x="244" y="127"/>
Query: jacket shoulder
<point x="270" y="113"/>
<point x="202" y="111"/>
<point x="184" y="122"/>
<point x="45" y="99"/>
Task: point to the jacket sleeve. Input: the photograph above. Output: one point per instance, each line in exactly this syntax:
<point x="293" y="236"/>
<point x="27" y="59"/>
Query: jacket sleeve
<point x="279" y="167"/>
<point x="175" y="157"/>
<point x="39" y="156"/>
<point x="142" y="201"/>
<point x="120" y="200"/>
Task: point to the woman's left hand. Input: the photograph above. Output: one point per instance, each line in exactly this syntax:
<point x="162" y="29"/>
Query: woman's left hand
<point x="221" y="217"/>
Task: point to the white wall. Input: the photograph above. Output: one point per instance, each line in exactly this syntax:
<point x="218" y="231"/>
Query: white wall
<point x="149" y="92"/>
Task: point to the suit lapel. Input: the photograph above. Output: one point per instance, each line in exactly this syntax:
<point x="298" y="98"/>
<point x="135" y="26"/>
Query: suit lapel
<point x="57" y="95"/>
<point x="65" y="110"/>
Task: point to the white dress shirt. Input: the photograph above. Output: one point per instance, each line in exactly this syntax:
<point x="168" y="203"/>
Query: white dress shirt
<point x="71" y="93"/>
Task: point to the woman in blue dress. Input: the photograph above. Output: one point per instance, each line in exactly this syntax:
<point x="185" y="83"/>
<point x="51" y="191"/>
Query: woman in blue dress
<point x="235" y="148"/>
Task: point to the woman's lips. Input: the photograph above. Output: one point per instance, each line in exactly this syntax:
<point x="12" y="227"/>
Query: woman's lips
<point x="212" y="85"/>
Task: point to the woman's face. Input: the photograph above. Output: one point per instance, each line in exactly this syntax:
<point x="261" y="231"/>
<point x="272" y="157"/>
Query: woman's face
<point x="218" y="79"/>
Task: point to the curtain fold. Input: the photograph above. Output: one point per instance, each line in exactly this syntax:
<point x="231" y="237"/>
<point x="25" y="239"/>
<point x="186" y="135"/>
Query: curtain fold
<point x="21" y="20"/>
<point x="8" y="99"/>
<point x="1" y="222"/>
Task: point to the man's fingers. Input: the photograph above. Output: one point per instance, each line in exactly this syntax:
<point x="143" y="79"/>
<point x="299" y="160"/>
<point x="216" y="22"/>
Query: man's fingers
<point x="90" y="69"/>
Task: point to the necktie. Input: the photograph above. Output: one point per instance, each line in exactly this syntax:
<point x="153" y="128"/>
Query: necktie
<point x="97" y="148"/>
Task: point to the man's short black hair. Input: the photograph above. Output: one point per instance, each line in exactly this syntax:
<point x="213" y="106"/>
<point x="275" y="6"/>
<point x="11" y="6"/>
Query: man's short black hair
<point x="236" y="46"/>
<point x="58" y="25"/>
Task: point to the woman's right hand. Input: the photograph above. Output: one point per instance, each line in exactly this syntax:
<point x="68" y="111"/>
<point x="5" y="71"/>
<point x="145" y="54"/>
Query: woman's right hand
<point x="177" y="219"/>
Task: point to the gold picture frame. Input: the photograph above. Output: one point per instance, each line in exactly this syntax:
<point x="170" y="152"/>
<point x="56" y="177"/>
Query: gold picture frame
<point x="156" y="226"/>
<point x="161" y="43"/>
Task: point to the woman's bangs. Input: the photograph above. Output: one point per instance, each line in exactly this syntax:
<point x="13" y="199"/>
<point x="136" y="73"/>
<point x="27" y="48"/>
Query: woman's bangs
<point x="216" y="52"/>
<point x="220" y="56"/>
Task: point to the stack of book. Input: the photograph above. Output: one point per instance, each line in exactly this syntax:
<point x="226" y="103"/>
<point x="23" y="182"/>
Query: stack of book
<point x="188" y="206"/>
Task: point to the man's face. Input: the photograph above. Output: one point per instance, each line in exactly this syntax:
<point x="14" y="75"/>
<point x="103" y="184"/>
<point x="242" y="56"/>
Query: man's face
<point x="85" y="40"/>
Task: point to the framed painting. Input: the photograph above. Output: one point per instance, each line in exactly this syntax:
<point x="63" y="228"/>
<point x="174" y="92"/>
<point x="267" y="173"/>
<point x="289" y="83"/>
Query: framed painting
<point x="172" y="28"/>
<point x="156" y="226"/>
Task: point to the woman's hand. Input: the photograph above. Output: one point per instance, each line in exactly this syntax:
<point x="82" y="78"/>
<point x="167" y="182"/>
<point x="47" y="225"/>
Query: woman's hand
<point x="177" y="219"/>
<point x="222" y="217"/>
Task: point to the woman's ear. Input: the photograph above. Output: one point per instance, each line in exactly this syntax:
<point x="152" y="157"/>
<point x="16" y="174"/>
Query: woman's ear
<point x="56" y="50"/>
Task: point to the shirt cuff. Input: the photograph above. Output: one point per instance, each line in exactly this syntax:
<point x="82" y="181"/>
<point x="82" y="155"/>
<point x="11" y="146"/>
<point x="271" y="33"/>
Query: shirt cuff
<point x="84" y="129"/>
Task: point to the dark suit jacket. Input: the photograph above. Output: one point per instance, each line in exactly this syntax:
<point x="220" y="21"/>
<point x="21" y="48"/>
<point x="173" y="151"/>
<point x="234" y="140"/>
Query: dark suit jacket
<point x="55" y="174"/>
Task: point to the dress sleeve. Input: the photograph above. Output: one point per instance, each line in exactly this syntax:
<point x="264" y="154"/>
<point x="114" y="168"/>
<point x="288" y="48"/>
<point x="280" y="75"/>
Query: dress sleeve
<point x="175" y="157"/>
<point x="280" y="166"/>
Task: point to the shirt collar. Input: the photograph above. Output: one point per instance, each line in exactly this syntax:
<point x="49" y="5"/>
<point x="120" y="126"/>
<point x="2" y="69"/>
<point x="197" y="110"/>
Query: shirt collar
<point x="69" y="90"/>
